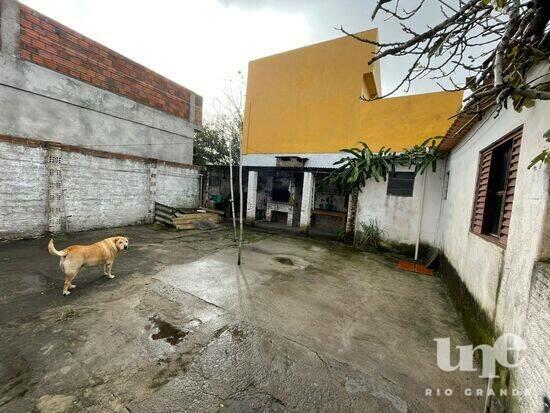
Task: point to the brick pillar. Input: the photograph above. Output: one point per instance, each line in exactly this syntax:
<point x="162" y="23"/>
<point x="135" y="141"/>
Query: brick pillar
<point x="56" y="205"/>
<point x="9" y="27"/>
<point x="153" y="172"/>
<point x="308" y="195"/>
<point x="251" y="197"/>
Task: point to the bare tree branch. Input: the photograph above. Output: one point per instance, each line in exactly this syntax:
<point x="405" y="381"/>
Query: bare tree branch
<point x="496" y="42"/>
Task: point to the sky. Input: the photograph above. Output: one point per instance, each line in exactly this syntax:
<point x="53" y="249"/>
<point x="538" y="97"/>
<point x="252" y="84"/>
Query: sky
<point x="201" y="44"/>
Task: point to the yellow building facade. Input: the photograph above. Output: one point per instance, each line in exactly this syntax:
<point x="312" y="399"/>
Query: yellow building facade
<point x="303" y="106"/>
<point x="307" y="101"/>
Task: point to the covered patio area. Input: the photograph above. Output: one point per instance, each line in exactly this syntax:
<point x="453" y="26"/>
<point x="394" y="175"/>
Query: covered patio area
<point x="295" y="197"/>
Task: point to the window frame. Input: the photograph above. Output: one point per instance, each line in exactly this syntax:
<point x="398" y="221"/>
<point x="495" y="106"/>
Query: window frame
<point x="514" y="137"/>
<point x="401" y="172"/>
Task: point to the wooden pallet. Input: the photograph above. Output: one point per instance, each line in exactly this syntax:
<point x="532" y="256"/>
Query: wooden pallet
<point x="183" y="219"/>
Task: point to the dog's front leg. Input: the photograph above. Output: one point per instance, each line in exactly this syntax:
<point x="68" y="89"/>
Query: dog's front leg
<point x="107" y="269"/>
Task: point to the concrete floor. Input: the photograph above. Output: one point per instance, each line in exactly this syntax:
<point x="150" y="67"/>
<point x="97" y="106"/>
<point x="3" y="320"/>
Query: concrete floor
<point x="303" y="325"/>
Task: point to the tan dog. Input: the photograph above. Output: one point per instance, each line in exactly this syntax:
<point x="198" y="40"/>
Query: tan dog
<point x="75" y="257"/>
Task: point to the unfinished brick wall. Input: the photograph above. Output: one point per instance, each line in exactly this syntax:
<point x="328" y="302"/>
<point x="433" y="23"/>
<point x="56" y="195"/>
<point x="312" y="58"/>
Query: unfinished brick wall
<point x="50" y="44"/>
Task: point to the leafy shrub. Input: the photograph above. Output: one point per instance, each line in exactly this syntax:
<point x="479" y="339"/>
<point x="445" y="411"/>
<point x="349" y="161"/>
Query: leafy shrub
<point x="369" y="237"/>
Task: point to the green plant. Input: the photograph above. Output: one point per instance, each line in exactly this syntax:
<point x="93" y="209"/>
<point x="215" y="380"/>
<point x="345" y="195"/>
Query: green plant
<point x="544" y="156"/>
<point x="341" y="234"/>
<point x="363" y="164"/>
<point x="370" y="236"/>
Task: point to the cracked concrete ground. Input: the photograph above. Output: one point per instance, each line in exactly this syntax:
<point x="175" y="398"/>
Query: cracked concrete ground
<point x="303" y="325"/>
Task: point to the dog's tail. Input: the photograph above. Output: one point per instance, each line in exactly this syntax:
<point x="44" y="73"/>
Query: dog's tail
<point x="53" y="251"/>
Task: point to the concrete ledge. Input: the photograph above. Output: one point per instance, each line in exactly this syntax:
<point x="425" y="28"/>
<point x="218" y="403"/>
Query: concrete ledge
<point x="314" y="160"/>
<point x="35" y="143"/>
<point x="30" y="77"/>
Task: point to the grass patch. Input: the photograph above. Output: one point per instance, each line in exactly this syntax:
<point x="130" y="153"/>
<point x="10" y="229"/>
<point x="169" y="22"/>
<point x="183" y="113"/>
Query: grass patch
<point x="68" y="314"/>
<point x="370" y="236"/>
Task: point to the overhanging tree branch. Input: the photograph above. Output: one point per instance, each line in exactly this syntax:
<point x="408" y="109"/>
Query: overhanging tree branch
<point x="486" y="46"/>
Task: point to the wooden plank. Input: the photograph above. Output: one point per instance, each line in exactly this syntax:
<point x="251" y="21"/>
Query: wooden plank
<point x="214" y="211"/>
<point x="328" y="213"/>
<point x="201" y="217"/>
<point x="190" y="221"/>
<point x="165" y="215"/>
<point x="163" y="220"/>
<point x="185" y="226"/>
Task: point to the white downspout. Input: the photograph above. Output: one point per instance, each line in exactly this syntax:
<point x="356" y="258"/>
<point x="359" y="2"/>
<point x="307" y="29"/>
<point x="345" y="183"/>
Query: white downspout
<point x="421" y="212"/>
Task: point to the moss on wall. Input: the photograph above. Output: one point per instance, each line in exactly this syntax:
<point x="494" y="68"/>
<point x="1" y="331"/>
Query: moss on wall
<point x="477" y="323"/>
<point x="479" y="327"/>
<point x="401" y="249"/>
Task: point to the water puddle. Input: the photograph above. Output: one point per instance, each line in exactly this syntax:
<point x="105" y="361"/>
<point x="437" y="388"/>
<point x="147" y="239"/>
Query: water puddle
<point x="284" y="261"/>
<point x="167" y="331"/>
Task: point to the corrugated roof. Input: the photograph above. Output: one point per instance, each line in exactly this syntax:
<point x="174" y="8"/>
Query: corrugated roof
<point x="463" y="123"/>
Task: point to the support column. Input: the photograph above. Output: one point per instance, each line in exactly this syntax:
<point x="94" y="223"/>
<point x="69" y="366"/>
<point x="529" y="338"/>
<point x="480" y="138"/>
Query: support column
<point x="9" y="27"/>
<point x="153" y="172"/>
<point x="308" y="195"/>
<point x="55" y="190"/>
<point x="251" y="196"/>
<point x="292" y="201"/>
<point x="192" y="108"/>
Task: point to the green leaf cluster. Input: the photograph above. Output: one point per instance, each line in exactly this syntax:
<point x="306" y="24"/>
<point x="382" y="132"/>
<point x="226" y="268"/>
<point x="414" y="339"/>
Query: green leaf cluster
<point x="544" y="156"/>
<point x="362" y="163"/>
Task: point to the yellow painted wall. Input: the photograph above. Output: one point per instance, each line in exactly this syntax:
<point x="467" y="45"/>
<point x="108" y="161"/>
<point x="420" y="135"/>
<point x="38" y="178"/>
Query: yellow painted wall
<point x="307" y="101"/>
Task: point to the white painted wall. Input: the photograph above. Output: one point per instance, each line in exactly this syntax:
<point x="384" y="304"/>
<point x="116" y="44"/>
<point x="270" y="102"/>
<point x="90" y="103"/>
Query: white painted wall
<point x="399" y="216"/>
<point x="308" y="195"/>
<point x="23" y="191"/>
<point x="502" y="279"/>
<point x="103" y="192"/>
<point x="178" y="187"/>
<point x="97" y="192"/>
<point x="251" y="196"/>
<point x="478" y="261"/>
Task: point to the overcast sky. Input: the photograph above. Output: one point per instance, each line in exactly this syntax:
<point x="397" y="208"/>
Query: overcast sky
<point x="202" y="43"/>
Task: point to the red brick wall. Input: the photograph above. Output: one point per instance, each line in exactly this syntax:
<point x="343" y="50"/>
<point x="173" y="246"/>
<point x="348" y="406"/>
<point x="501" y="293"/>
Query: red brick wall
<point x="50" y="44"/>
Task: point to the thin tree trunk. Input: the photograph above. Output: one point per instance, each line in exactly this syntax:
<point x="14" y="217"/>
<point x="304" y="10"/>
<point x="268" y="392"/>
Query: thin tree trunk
<point x="240" y="202"/>
<point x="352" y="213"/>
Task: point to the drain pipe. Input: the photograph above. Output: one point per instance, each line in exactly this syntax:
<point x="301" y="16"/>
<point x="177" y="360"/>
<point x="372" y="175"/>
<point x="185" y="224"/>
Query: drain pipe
<point x="421" y="212"/>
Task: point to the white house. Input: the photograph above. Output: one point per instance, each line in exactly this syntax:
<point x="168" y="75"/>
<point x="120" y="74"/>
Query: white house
<point x="488" y="215"/>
